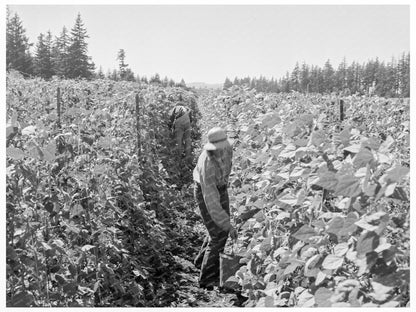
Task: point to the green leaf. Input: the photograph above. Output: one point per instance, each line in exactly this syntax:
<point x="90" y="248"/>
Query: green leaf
<point x="336" y="225"/>
<point x="400" y="194"/>
<point x="345" y="135"/>
<point x="85" y="248"/>
<point x="332" y="262"/>
<point x="348" y="285"/>
<point x="304" y="233"/>
<point x="341" y="249"/>
<point x="70" y="289"/>
<point x="381" y="292"/>
<point x="289" y="199"/>
<point x="292" y="129"/>
<point x="140" y="273"/>
<point x="366" y="226"/>
<point x="328" y="180"/>
<point x="320" y="277"/>
<point x="348" y="186"/>
<point x="15" y="153"/>
<point x="353" y="148"/>
<point x="72" y="227"/>
<point x="363" y="157"/>
<point x="297" y="172"/>
<point x="267" y="301"/>
<point x="323" y="296"/>
<point x="400" y="277"/>
<point x="306" y="119"/>
<point x="60" y="279"/>
<point x="311" y="266"/>
<point x="372" y="143"/>
<point x="390" y="189"/>
<point x="30" y="130"/>
<point x="50" y="151"/>
<point x="384" y="147"/>
<point x="23" y="299"/>
<point x="76" y="210"/>
<point x="301" y="142"/>
<point x="367" y="242"/>
<point x="318" y="137"/>
<point x="341" y="226"/>
<point x="105" y="142"/>
<point x="394" y="174"/>
<point x="36" y="152"/>
<point x="266" y="244"/>
<point x="97" y="284"/>
<point x="46" y="246"/>
<point x="11" y="253"/>
<point x="100" y="169"/>
<point x="269" y="120"/>
<point x="372" y="222"/>
<point x="292" y="267"/>
<point x="283" y="215"/>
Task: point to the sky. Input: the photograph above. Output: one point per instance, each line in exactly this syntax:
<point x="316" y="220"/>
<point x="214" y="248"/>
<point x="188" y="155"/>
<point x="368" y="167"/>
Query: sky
<point x="207" y="43"/>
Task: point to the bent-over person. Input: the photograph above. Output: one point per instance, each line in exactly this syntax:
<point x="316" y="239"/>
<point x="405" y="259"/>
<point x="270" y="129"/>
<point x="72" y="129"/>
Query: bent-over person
<point x="211" y="181"/>
<point x="180" y="123"/>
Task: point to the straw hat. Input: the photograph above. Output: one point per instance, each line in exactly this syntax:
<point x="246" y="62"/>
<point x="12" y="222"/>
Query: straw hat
<point x="217" y="139"/>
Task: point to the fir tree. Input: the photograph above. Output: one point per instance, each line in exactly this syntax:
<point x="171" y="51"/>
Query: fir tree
<point x="328" y="77"/>
<point x="121" y="56"/>
<point x="43" y="60"/>
<point x="100" y="73"/>
<point x="60" y="54"/>
<point x="80" y="65"/>
<point x="227" y="83"/>
<point x="17" y="46"/>
<point x="155" y="79"/>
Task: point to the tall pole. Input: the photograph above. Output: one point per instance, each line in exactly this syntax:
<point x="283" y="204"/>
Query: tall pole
<point x="58" y="106"/>
<point x="138" y="124"/>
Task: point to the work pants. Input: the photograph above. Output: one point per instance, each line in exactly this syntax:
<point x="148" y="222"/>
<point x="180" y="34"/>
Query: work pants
<point x="183" y="135"/>
<point x="214" y="243"/>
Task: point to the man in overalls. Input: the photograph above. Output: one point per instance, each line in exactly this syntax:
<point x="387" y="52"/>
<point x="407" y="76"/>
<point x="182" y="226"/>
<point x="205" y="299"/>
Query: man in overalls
<point x="180" y="123"/>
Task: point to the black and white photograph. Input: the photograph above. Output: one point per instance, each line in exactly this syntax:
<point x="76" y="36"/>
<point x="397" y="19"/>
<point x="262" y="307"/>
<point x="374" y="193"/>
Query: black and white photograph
<point x="207" y="155"/>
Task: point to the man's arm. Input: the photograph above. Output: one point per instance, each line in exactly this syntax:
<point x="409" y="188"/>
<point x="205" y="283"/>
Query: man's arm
<point x="212" y="197"/>
<point x="172" y="118"/>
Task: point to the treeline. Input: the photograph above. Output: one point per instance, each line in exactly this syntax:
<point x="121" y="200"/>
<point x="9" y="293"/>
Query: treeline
<point x="64" y="56"/>
<point x="390" y="79"/>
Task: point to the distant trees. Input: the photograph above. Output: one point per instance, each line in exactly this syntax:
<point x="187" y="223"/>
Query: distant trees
<point x="44" y="65"/>
<point x="60" y="53"/>
<point x="125" y="72"/>
<point x="18" y="55"/>
<point x="80" y="64"/>
<point x="390" y="79"/>
<point x="66" y="56"/>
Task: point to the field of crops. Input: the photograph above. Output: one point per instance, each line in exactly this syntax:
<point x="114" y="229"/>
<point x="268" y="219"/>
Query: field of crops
<point x="93" y="215"/>
<point x="100" y="214"/>
<point x="323" y="204"/>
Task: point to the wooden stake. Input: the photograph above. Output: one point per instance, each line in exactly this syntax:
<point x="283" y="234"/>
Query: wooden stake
<point x="58" y="106"/>
<point x="341" y="109"/>
<point x="138" y="124"/>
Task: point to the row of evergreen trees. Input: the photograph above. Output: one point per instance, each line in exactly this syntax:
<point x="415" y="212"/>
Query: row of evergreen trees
<point x="390" y="79"/>
<point x="64" y="56"/>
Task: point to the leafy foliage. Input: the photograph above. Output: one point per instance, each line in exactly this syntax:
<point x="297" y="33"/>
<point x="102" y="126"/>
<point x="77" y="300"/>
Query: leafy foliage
<point x="99" y="217"/>
<point x="330" y="221"/>
<point x="93" y="219"/>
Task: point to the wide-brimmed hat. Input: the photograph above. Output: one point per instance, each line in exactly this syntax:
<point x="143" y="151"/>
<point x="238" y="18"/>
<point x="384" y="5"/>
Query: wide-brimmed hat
<point x="217" y="139"/>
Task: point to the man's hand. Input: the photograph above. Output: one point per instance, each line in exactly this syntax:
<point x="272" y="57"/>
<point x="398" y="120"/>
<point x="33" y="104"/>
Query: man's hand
<point x="233" y="233"/>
